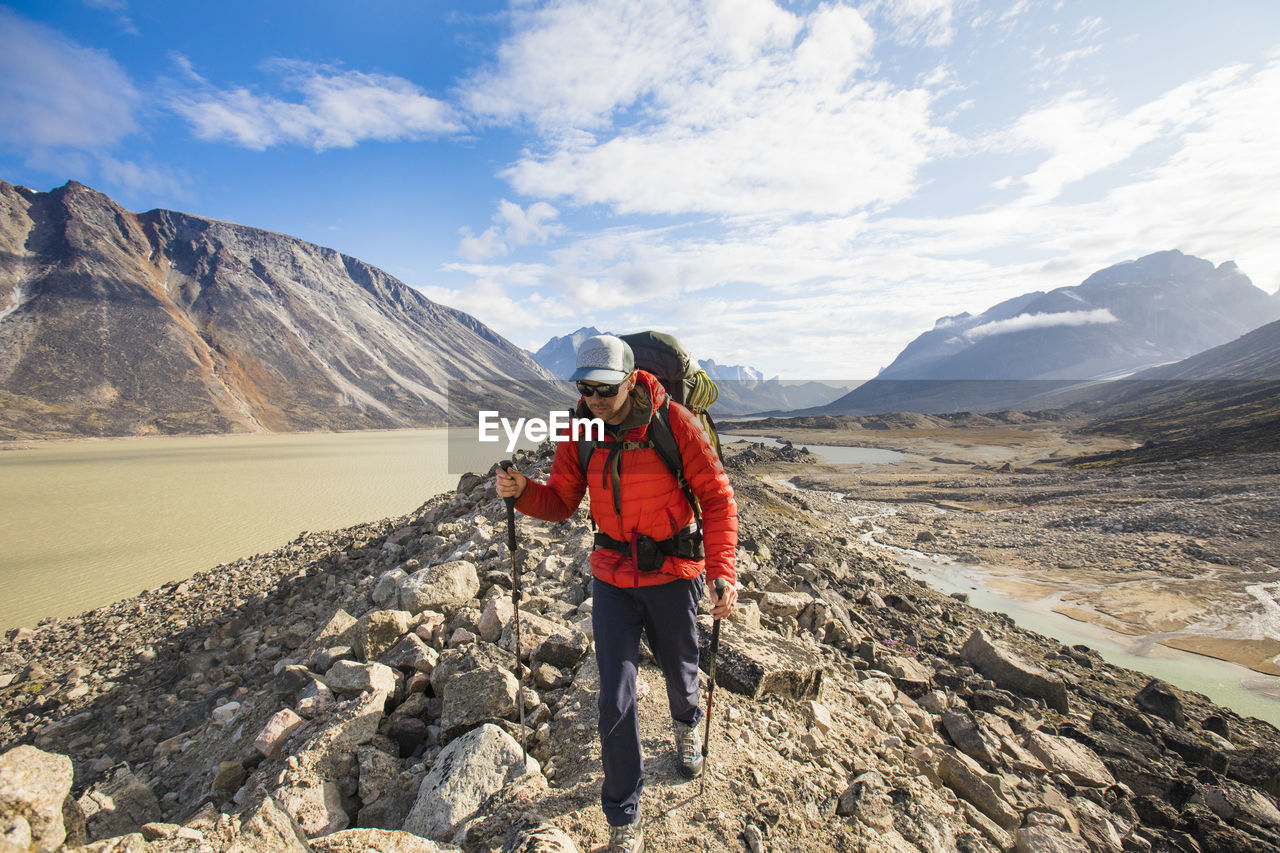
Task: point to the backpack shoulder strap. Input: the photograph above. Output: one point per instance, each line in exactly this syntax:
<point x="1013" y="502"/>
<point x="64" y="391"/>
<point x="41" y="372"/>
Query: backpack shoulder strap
<point x="664" y="442"/>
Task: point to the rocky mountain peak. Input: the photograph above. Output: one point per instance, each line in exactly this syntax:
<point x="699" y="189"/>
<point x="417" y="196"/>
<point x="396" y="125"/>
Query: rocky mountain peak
<point x="164" y="322"/>
<point x="1130" y="316"/>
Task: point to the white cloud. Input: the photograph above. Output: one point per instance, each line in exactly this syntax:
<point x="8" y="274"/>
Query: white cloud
<point x="337" y="109"/>
<point x="1085" y="135"/>
<point x="841" y="295"/>
<point x="1022" y="322"/>
<point x="120" y="9"/>
<point x="757" y="127"/>
<point x="703" y="109"/>
<point x="920" y="21"/>
<point x="56" y="94"/>
<point x="513" y="226"/>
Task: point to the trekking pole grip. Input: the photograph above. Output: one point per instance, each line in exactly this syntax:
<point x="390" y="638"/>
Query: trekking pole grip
<point x="505" y="465"/>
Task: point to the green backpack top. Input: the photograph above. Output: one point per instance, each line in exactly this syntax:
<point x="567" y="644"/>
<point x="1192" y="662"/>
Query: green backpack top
<point x="685" y="382"/>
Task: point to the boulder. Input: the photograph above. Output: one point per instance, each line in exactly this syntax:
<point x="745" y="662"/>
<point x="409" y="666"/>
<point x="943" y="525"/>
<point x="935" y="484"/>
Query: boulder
<point x="379" y="630"/>
<point x="1046" y="839"/>
<point x="1064" y="755"/>
<point x="1158" y="699"/>
<point x="315" y="699"/>
<point x="439" y="586"/>
<point x="270" y="741"/>
<point x="34" y="786"/>
<point x="971" y="740"/>
<point x="411" y="653"/>
<point x="471" y="698"/>
<point x="563" y="649"/>
<point x="534" y="631"/>
<point x="783" y="604"/>
<point x="746" y="612"/>
<point x="348" y="677"/>
<point x="331" y="751"/>
<point x="387" y="590"/>
<point x="479" y="655"/>
<point x="293" y="678"/>
<point x="497" y="613"/>
<point x="338" y="631"/>
<point x="386" y="792"/>
<point x="1236" y="802"/>
<point x="754" y="662"/>
<point x="866" y="799"/>
<point x="1013" y="672"/>
<point x="911" y="676"/>
<point x="408" y="733"/>
<point x="228" y="777"/>
<point x="467" y="771"/>
<point x="313" y="802"/>
<point x="265" y="828"/>
<point x="963" y="775"/>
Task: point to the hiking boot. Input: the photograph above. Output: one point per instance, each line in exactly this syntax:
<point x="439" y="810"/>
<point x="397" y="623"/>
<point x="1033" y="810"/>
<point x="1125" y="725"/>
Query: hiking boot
<point x="626" y="839"/>
<point x="688" y="749"/>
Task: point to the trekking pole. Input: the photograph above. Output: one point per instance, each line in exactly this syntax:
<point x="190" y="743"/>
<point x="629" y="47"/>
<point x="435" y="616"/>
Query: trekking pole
<point x="515" y="603"/>
<point x="721" y="585"/>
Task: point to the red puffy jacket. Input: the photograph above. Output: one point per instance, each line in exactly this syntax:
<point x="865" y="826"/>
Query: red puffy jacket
<point x="652" y="502"/>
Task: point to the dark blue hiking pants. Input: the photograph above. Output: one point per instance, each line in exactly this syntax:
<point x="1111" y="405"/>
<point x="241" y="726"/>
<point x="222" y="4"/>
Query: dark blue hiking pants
<point x="666" y="613"/>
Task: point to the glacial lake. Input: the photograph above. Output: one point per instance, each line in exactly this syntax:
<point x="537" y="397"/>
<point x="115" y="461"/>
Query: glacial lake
<point x="89" y="522"/>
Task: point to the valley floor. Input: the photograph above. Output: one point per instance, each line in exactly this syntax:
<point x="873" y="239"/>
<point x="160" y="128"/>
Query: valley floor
<point x="1181" y="552"/>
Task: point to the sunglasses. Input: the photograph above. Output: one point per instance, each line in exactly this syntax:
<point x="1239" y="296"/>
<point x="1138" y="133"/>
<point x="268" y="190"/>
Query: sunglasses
<point x="603" y="390"/>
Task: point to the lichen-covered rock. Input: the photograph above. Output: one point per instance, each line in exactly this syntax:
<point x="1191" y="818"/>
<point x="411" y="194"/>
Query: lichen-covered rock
<point x="437" y="587"/>
<point x="314" y="803"/>
<point x="411" y="653"/>
<point x="753" y="662"/>
<point x="1157" y="698"/>
<point x="473" y="697"/>
<point x="963" y="775"/>
<point x="265" y="828"/>
<point x="377" y="631"/>
<point x="467" y="771"/>
<point x="34" y="786"/>
<point x="538" y="838"/>
<point x="1013" y="672"/>
<point x="348" y="677"/>
<point x="563" y="649"/>
<point x="1064" y="755"/>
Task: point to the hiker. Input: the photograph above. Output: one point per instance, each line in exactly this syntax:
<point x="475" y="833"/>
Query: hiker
<point x="648" y="561"/>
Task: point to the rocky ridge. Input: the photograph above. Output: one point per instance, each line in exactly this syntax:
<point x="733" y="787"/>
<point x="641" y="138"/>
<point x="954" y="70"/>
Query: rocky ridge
<point x="357" y="690"/>
<point x="121" y="323"/>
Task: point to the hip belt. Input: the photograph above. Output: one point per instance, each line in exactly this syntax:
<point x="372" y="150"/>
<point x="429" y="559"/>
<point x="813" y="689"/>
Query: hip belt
<point x="648" y="553"/>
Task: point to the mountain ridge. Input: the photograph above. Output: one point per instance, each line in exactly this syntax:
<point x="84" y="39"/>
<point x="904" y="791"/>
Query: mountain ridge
<point x="1154" y="310"/>
<point x="121" y="323"/>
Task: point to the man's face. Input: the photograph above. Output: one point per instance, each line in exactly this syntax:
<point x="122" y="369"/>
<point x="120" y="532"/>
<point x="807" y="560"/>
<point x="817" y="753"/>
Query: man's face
<point x="611" y="409"/>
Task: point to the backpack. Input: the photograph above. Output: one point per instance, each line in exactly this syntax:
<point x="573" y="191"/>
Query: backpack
<point x="686" y="383"/>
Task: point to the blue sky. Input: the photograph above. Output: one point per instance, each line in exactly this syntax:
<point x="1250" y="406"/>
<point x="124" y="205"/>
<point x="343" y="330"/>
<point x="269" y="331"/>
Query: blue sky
<point x="800" y="187"/>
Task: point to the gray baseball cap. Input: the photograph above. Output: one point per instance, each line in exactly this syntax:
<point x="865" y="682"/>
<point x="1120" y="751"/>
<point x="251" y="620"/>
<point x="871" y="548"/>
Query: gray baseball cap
<point x="604" y="358"/>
